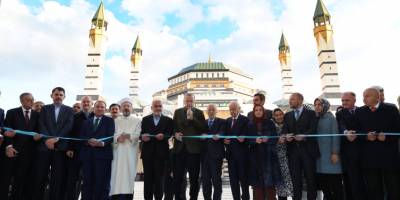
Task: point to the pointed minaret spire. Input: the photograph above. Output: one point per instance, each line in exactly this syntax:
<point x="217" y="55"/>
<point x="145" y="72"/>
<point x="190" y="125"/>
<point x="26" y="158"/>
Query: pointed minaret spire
<point x="209" y="58"/>
<point x="321" y="11"/>
<point x="96" y="54"/>
<point x="136" y="62"/>
<point x="323" y="33"/>
<point x="286" y="67"/>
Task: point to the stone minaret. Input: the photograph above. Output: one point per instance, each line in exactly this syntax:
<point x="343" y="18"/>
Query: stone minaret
<point x="96" y="54"/>
<point x="136" y="62"/>
<point x="323" y="34"/>
<point x="286" y="68"/>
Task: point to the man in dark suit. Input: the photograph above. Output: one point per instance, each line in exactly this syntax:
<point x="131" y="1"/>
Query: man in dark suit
<point x="237" y="152"/>
<point x="1" y="117"/>
<point x="350" y="148"/>
<point x="212" y="156"/>
<point x="155" y="150"/>
<point x="73" y="184"/>
<point x="379" y="155"/>
<point x="55" y="121"/>
<point x="96" y="154"/>
<point x="188" y="121"/>
<point x="302" y="152"/>
<point x="259" y="100"/>
<point x="19" y="149"/>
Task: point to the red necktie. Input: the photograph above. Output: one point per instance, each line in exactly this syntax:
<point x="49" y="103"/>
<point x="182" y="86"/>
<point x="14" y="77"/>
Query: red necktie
<point x="26" y="117"/>
<point x="373" y="109"/>
<point x="233" y="122"/>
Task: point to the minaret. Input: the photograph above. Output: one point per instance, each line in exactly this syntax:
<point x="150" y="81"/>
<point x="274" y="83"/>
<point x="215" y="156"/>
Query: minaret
<point x="286" y="67"/>
<point x="323" y="33"/>
<point x="136" y="62"/>
<point x="96" y="55"/>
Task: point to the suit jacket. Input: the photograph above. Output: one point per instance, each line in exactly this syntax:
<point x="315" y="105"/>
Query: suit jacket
<point x="236" y="149"/>
<point x="15" y="119"/>
<point x="156" y="149"/>
<point x="306" y="124"/>
<point x="189" y="128"/>
<point x="79" y="119"/>
<point x="377" y="154"/>
<point x="106" y="128"/>
<point x="268" y="114"/>
<point x="62" y="128"/>
<point x="347" y="121"/>
<point x="1" y="117"/>
<point x="214" y="148"/>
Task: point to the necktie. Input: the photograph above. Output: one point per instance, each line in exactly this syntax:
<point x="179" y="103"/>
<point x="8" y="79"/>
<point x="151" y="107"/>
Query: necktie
<point x="96" y="123"/>
<point x="297" y="114"/>
<point x="210" y="122"/>
<point x="373" y="108"/>
<point x="233" y="122"/>
<point x="26" y="117"/>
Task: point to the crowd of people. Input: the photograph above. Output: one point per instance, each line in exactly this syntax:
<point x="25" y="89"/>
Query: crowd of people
<point x="80" y="152"/>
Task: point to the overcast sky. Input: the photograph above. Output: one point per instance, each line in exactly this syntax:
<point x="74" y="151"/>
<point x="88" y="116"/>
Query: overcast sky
<point x="44" y="44"/>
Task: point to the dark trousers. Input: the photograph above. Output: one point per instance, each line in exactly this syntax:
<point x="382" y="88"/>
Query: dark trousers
<point x="300" y="162"/>
<point x="17" y="169"/>
<point x="377" y="180"/>
<point x="211" y="170"/>
<point x="73" y="187"/>
<point x="186" y="162"/>
<point x="96" y="179"/>
<point x="262" y="193"/>
<point x="353" y="181"/>
<point x="237" y="167"/>
<point x="55" y="162"/>
<point x="122" y="197"/>
<point x="331" y="185"/>
<point x="153" y="169"/>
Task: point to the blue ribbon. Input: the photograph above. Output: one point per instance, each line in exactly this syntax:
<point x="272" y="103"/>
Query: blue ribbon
<point x="29" y="133"/>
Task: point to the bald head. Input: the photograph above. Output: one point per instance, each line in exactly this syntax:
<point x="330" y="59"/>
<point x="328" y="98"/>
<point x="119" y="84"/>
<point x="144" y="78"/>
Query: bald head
<point x="211" y="110"/>
<point x="371" y="97"/>
<point x="86" y="103"/>
<point x="348" y="100"/>
<point x="156" y="107"/>
<point x="234" y="108"/>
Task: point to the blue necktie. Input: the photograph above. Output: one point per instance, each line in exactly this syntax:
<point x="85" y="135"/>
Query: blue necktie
<point x="297" y="114"/>
<point x="210" y="122"/>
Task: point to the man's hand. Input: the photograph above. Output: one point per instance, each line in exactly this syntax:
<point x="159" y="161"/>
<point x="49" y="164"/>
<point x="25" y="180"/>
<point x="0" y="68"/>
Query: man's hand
<point x="160" y="136"/>
<point x="381" y="137"/>
<point x="11" y="152"/>
<point x="227" y="141"/>
<point x="215" y="137"/>
<point x="70" y="154"/>
<point x="334" y="158"/>
<point x="95" y="142"/>
<point x="10" y="133"/>
<point x="37" y="137"/>
<point x="371" y="136"/>
<point x="145" y="137"/>
<point x="350" y="135"/>
<point x="178" y="136"/>
<point x="240" y="139"/>
<point x="50" y="143"/>
<point x="299" y="137"/>
<point x="265" y="140"/>
<point x="204" y="136"/>
<point x="258" y="140"/>
<point x="121" y="138"/>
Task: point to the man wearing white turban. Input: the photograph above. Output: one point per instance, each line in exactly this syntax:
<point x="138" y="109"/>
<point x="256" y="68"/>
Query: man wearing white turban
<point x="125" y="146"/>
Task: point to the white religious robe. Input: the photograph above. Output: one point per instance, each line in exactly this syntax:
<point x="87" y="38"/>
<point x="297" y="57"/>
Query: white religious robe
<point x="125" y="159"/>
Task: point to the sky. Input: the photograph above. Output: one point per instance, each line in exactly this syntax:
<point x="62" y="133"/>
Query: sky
<point x="44" y="43"/>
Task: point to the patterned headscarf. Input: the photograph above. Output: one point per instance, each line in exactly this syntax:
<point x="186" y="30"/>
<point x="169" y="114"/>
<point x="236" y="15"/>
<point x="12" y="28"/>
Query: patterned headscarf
<point x="325" y="106"/>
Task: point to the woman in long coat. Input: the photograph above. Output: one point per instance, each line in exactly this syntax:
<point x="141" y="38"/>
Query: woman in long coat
<point x="264" y="171"/>
<point x="329" y="169"/>
<point x="285" y="189"/>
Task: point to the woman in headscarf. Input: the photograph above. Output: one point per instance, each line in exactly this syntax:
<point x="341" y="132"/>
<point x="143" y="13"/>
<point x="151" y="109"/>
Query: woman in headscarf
<point x="285" y="189"/>
<point x="264" y="171"/>
<point x="329" y="169"/>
